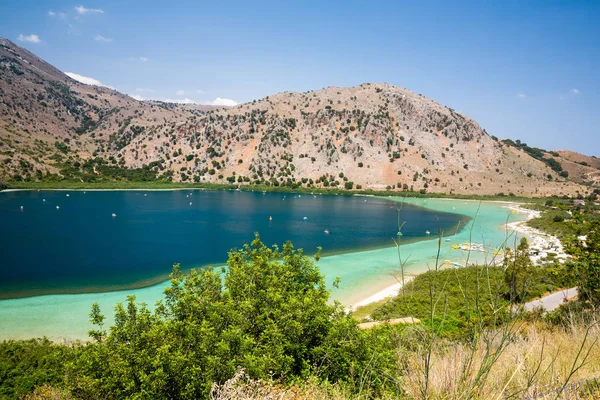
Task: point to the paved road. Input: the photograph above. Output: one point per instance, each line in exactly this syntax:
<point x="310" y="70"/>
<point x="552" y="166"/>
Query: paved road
<point x="553" y="300"/>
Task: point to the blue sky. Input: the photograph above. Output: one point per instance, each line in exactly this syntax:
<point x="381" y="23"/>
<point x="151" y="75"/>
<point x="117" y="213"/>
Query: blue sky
<point x="524" y="70"/>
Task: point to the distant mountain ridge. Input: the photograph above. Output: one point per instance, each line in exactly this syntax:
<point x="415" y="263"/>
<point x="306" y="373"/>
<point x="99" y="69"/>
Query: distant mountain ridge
<point x="374" y="136"/>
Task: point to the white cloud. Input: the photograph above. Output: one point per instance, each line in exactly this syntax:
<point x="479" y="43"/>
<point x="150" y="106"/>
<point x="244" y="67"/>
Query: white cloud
<point x="521" y="95"/>
<point x="51" y="13"/>
<point x="222" y="102"/>
<point x="100" y="38"/>
<point x="180" y="101"/>
<point x="62" y="15"/>
<point x="82" y="10"/>
<point x="137" y="97"/>
<point x="143" y="59"/>
<point x="180" y="92"/>
<point x="143" y="90"/>
<point x="575" y="91"/>
<point x="199" y="91"/>
<point x="29" y="38"/>
<point x="85" y="79"/>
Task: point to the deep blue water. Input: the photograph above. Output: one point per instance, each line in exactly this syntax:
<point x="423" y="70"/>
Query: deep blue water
<point x="80" y="247"/>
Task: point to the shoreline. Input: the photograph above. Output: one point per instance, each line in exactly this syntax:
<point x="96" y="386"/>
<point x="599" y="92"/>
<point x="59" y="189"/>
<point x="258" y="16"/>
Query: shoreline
<point x="513" y="227"/>
<point x="390" y="291"/>
<point x="542" y="243"/>
<point x="170" y="186"/>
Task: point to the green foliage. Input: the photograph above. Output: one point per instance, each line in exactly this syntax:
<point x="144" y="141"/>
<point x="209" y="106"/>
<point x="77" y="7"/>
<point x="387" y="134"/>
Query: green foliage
<point x="586" y="264"/>
<point x="454" y="301"/>
<point x="518" y="272"/>
<point x="29" y="363"/>
<point x="268" y="313"/>
<point x="462" y="297"/>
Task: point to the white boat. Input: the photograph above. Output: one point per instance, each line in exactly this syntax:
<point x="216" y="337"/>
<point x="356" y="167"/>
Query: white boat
<point x="427" y="232"/>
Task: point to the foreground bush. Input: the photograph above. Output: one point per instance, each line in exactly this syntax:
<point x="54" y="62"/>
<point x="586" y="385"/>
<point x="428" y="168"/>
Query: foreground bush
<point x="268" y="313"/>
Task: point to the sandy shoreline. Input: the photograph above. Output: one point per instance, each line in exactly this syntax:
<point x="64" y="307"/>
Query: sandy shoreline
<point x="390" y="291"/>
<point x="540" y="242"/>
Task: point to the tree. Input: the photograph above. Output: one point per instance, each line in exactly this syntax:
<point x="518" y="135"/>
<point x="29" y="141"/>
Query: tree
<point x="267" y="312"/>
<point x="587" y="265"/>
<point x="518" y="272"/>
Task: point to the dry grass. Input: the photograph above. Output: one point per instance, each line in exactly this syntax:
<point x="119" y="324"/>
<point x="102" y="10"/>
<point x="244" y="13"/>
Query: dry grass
<point x="48" y="392"/>
<point x="534" y="360"/>
<point x="243" y="388"/>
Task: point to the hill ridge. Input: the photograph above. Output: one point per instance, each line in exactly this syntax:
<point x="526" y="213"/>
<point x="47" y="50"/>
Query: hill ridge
<point x="374" y="135"/>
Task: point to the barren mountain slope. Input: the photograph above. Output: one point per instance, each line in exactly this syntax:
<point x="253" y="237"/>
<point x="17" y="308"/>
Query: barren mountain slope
<point x="374" y="135"/>
<point x="582" y="169"/>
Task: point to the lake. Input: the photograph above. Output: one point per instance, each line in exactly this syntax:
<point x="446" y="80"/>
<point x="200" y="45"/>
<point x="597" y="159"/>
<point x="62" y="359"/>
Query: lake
<point x="70" y="242"/>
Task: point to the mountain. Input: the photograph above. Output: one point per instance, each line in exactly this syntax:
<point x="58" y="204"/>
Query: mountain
<point x="374" y="135"/>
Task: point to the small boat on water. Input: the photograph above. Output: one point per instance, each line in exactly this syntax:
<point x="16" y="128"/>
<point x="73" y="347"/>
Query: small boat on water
<point x="399" y="233"/>
<point x="326" y="231"/>
<point x="305" y="218"/>
<point x="427" y="233"/>
<point x="114" y="215"/>
<point x="270" y="218"/>
<point x="447" y="240"/>
<point x="57" y="207"/>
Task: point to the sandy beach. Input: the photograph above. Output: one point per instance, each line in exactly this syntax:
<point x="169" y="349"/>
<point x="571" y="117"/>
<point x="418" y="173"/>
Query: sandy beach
<point x="390" y="291"/>
<point x="540" y="244"/>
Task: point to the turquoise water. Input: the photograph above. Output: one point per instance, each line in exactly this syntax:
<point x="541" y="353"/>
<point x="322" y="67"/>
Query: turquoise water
<point x="363" y="273"/>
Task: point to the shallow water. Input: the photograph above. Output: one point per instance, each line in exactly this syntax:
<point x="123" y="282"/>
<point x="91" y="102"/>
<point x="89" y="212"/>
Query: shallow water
<point x="362" y="273"/>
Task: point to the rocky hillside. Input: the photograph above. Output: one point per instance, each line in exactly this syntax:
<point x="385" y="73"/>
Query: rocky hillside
<point x="371" y="136"/>
<point x="583" y="169"/>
